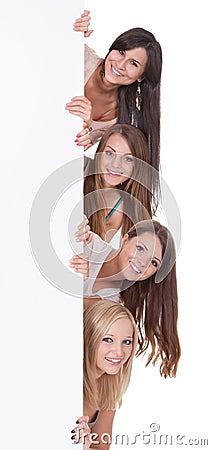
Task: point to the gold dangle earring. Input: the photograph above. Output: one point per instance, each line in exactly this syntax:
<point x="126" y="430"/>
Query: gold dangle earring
<point x="138" y="98"/>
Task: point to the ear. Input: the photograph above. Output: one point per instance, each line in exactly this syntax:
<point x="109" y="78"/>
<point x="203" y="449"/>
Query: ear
<point x="124" y="240"/>
<point x="140" y="79"/>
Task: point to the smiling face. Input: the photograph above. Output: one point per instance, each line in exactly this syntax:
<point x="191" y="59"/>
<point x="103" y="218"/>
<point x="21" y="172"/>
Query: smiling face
<point x="140" y="257"/>
<point x="115" y="347"/>
<point x="116" y="161"/>
<point x="124" y="67"/>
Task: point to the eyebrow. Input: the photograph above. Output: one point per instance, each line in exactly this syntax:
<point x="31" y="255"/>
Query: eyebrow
<point x="112" y="335"/>
<point x="155" y="257"/>
<point x="109" y="146"/>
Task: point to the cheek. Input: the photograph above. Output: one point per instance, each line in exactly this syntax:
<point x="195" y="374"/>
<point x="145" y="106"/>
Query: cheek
<point x="128" y="353"/>
<point x="128" y="168"/>
<point x="114" y="55"/>
<point x="102" y="163"/>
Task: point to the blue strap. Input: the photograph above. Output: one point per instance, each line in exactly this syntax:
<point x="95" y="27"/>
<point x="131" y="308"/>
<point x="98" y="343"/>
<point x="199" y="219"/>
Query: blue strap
<point x="113" y="209"/>
<point x="86" y="163"/>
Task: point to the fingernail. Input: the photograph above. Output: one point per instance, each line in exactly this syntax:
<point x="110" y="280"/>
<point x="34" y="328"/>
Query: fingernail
<point x="77" y="135"/>
<point x="77" y="421"/>
<point x="73" y="431"/>
<point x="72" y="437"/>
<point x="76" y="140"/>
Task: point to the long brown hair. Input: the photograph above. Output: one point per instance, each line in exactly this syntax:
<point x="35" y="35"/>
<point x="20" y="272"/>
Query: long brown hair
<point x="154" y="304"/>
<point x="137" y="197"/>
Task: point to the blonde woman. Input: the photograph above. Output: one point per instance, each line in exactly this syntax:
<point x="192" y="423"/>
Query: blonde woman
<point x="110" y="341"/>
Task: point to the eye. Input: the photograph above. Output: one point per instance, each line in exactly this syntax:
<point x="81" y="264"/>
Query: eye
<point x="107" y="339"/>
<point x="127" y="341"/>
<point x="133" y="63"/>
<point x="155" y="263"/>
<point x="128" y="159"/>
<point x="140" y="248"/>
<point x="108" y="153"/>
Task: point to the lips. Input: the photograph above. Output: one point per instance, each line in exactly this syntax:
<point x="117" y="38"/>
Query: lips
<point x="115" y="72"/>
<point x="114" y="361"/>
<point x="113" y="173"/>
<point x="134" y="268"/>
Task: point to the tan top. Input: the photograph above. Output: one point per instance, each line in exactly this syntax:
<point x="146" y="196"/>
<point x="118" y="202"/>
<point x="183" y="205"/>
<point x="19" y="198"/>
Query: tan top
<point x="91" y="62"/>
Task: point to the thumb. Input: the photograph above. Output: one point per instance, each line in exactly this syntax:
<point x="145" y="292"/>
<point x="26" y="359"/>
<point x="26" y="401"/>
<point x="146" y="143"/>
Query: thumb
<point x="88" y="33"/>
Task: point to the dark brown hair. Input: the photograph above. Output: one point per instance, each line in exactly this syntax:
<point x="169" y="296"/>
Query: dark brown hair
<point x="154" y="304"/>
<point x="148" y="118"/>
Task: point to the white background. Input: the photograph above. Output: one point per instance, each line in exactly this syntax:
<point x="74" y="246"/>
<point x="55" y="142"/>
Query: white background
<point x="40" y="327"/>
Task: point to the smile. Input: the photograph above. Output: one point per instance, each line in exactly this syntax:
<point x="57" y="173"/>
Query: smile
<point x="134" y="268"/>
<point x="113" y="174"/>
<point x="118" y="74"/>
<point x="113" y="360"/>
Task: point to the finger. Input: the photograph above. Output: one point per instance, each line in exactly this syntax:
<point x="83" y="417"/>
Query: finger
<point x="83" y="223"/>
<point x="86" y="12"/>
<point x="78" y="97"/>
<point x="88" y="33"/>
<point x="84" y="140"/>
<point x="83" y="419"/>
<point x="84" y="237"/>
<point x="82" y="230"/>
<point x="86" y="147"/>
<point x="81" y="98"/>
<point x="82" y="257"/>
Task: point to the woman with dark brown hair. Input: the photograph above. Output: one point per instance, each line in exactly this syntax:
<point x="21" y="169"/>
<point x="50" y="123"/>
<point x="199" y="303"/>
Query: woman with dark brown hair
<point x="142" y="276"/>
<point x="123" y="87"/>
<point x="117" y="183"/>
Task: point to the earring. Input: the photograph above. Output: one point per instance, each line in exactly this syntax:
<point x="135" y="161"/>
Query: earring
<point x="138" y="98"/>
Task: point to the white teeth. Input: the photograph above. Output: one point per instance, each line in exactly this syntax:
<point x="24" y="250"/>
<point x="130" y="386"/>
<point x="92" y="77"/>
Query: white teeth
<point x="115" y="71"/>
<point x="113" y="173"/>
<point x="135" y="268"/>
<point x="113" y="360"/>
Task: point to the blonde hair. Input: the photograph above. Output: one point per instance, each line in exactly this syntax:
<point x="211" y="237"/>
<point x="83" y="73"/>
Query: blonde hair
<point x="105" y="392"/>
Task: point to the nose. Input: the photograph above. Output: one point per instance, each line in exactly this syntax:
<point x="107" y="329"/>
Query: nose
<point x="143" y="261"/>
<point x="118" y="349"/>
<point x="121" y="63"/>
<point x="117" y="161"/>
